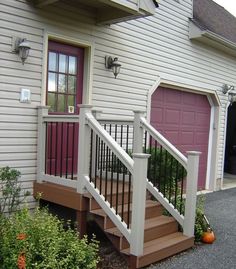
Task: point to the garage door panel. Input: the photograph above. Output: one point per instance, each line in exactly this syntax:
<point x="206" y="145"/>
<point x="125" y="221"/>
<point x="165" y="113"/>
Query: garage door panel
<point x="172" y="97"/>
<point x="187" y="138"/>
<point x="202" y="119"/>
<point x="172" y="116"/>
<point x="184" y="119"/>
<point x="189" y="99"/>
<point x="188" y="117"/>
<point x="200" y="138"/>
<point x="158" y="112"/>
<point x="170" y="135"/>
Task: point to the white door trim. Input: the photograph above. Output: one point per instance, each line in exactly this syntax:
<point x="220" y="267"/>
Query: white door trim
<point x="224" y="143"/>
<point x="213" y="100"/>
<point x="88" y="63"/>
<point x="210" y="142"/>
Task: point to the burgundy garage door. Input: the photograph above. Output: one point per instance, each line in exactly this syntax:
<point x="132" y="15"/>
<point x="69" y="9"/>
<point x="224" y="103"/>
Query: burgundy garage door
<point x="184" y="119"/>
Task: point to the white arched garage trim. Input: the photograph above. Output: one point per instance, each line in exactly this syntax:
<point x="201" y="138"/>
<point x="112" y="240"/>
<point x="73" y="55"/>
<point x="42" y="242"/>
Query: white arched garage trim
<point x="212" y="158"/>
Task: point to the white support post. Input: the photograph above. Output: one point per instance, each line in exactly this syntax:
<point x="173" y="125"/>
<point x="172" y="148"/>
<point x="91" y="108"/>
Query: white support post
<point x="83" y="148"/>
<point x="191" y="192"/>
<point x="41" y="143"/>
<point x="138" y="132"/>
<point x="138" y="203"/>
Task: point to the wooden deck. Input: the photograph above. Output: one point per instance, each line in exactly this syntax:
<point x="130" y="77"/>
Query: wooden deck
<point x="161" y="236"/>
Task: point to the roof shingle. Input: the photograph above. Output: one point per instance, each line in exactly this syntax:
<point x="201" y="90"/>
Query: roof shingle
<point x="211" y="16"/>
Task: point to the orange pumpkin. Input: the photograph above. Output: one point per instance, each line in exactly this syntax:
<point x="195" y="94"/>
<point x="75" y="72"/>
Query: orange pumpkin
<point x="208" y="237"/>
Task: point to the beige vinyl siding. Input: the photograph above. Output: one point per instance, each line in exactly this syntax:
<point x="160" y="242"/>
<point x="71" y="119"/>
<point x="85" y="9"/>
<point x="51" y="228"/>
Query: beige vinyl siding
<point x="148" y="48"/>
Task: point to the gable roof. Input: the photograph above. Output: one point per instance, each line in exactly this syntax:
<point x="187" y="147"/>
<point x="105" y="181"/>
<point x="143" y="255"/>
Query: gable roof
<point x="208" y="15"/>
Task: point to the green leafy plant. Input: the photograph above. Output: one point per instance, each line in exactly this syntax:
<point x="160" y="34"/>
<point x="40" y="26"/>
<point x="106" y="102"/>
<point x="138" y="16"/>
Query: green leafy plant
<point x="11" y="195"/>
<point x="200" y="222"/>
<point x="38" y="240"/>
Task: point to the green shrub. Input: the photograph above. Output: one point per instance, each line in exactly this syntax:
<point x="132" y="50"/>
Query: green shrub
<point x="11" y="195"/>
<point x="40" y="237"/>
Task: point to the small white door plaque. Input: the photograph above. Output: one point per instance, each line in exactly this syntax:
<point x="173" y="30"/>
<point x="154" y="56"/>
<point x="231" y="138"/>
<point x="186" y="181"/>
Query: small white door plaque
<point x="71" y="109"/>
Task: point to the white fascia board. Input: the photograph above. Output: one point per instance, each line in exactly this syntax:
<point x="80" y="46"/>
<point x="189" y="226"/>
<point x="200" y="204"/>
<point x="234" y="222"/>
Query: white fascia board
<point x="215" y="40"/>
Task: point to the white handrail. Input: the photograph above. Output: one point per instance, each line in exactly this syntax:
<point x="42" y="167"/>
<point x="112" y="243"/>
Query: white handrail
<point x="164" y="142"/>
<point x="61" y="118"/>
<point x="114" y="146"/>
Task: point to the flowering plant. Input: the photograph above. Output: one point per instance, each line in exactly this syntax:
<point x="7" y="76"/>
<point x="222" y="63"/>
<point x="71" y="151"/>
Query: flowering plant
<point x="37" y="240"/>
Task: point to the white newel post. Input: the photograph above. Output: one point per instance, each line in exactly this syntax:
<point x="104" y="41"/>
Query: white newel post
<point x="84" y="147"/>
<point x="191" y="192"/>
<point x="138" y="131"/>
<point x="138" y="203"/>
<point x="41" y="143"/>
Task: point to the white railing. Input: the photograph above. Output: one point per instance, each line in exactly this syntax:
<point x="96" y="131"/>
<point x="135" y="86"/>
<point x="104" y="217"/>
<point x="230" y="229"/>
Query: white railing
<point x="190" y="163"/>
<point x="43" y="119"/>
<point x="136" y="166"/>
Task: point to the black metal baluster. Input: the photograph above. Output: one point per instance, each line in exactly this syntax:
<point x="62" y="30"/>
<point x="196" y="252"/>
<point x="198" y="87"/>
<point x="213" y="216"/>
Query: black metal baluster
<point x="150" y="160"/>
<point x="109" y="151"/>
<point x="96" y="161"/>
<point x="165" y="173"/>
<point x="123" y="193"/>
<point x="160" y="170"/>
<point x="155" y="165"/>
<point x="101" y="166"/>
<point x="112" y="169"/>
<point x="117" y="183"/>
<point x="123" y="177"/>
<point x="170" y="179"/>
<point x="106" y="173"/>
<point x="129" y="200"/>
<point x="176" y="182"/>
<point x="127" y="139"/>
<point x="181" y="191"/>
<point x="115" y="132"/>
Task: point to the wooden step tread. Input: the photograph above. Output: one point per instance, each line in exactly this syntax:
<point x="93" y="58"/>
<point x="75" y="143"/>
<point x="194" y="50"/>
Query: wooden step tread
<point x="149" y="223"/>
<point x="161" y="243"/>
<point x="101" y="212"/>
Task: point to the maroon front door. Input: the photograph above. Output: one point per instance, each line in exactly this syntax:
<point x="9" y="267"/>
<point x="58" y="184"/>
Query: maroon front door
<point x="64" y="93"/>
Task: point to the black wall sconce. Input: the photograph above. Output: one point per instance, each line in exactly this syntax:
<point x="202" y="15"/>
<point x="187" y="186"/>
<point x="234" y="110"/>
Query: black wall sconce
<point x="113" y="64"/>
<point x="22" y="47"/>
<point x="231" y="95"/>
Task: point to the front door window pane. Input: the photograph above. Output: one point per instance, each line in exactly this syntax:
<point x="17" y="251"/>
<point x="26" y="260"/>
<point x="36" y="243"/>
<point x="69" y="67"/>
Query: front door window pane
<point x="62" y="63"/>
<point x="51" y="82"/>
<point x="51" y="102"/>
<point x="71" y="100"/>
<point x="72" y="65"/>
<point x="71" y="84"/>
<point x="62" y="83"/>
<point x="61" y="103"/>
<point x="52" y="61"/>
